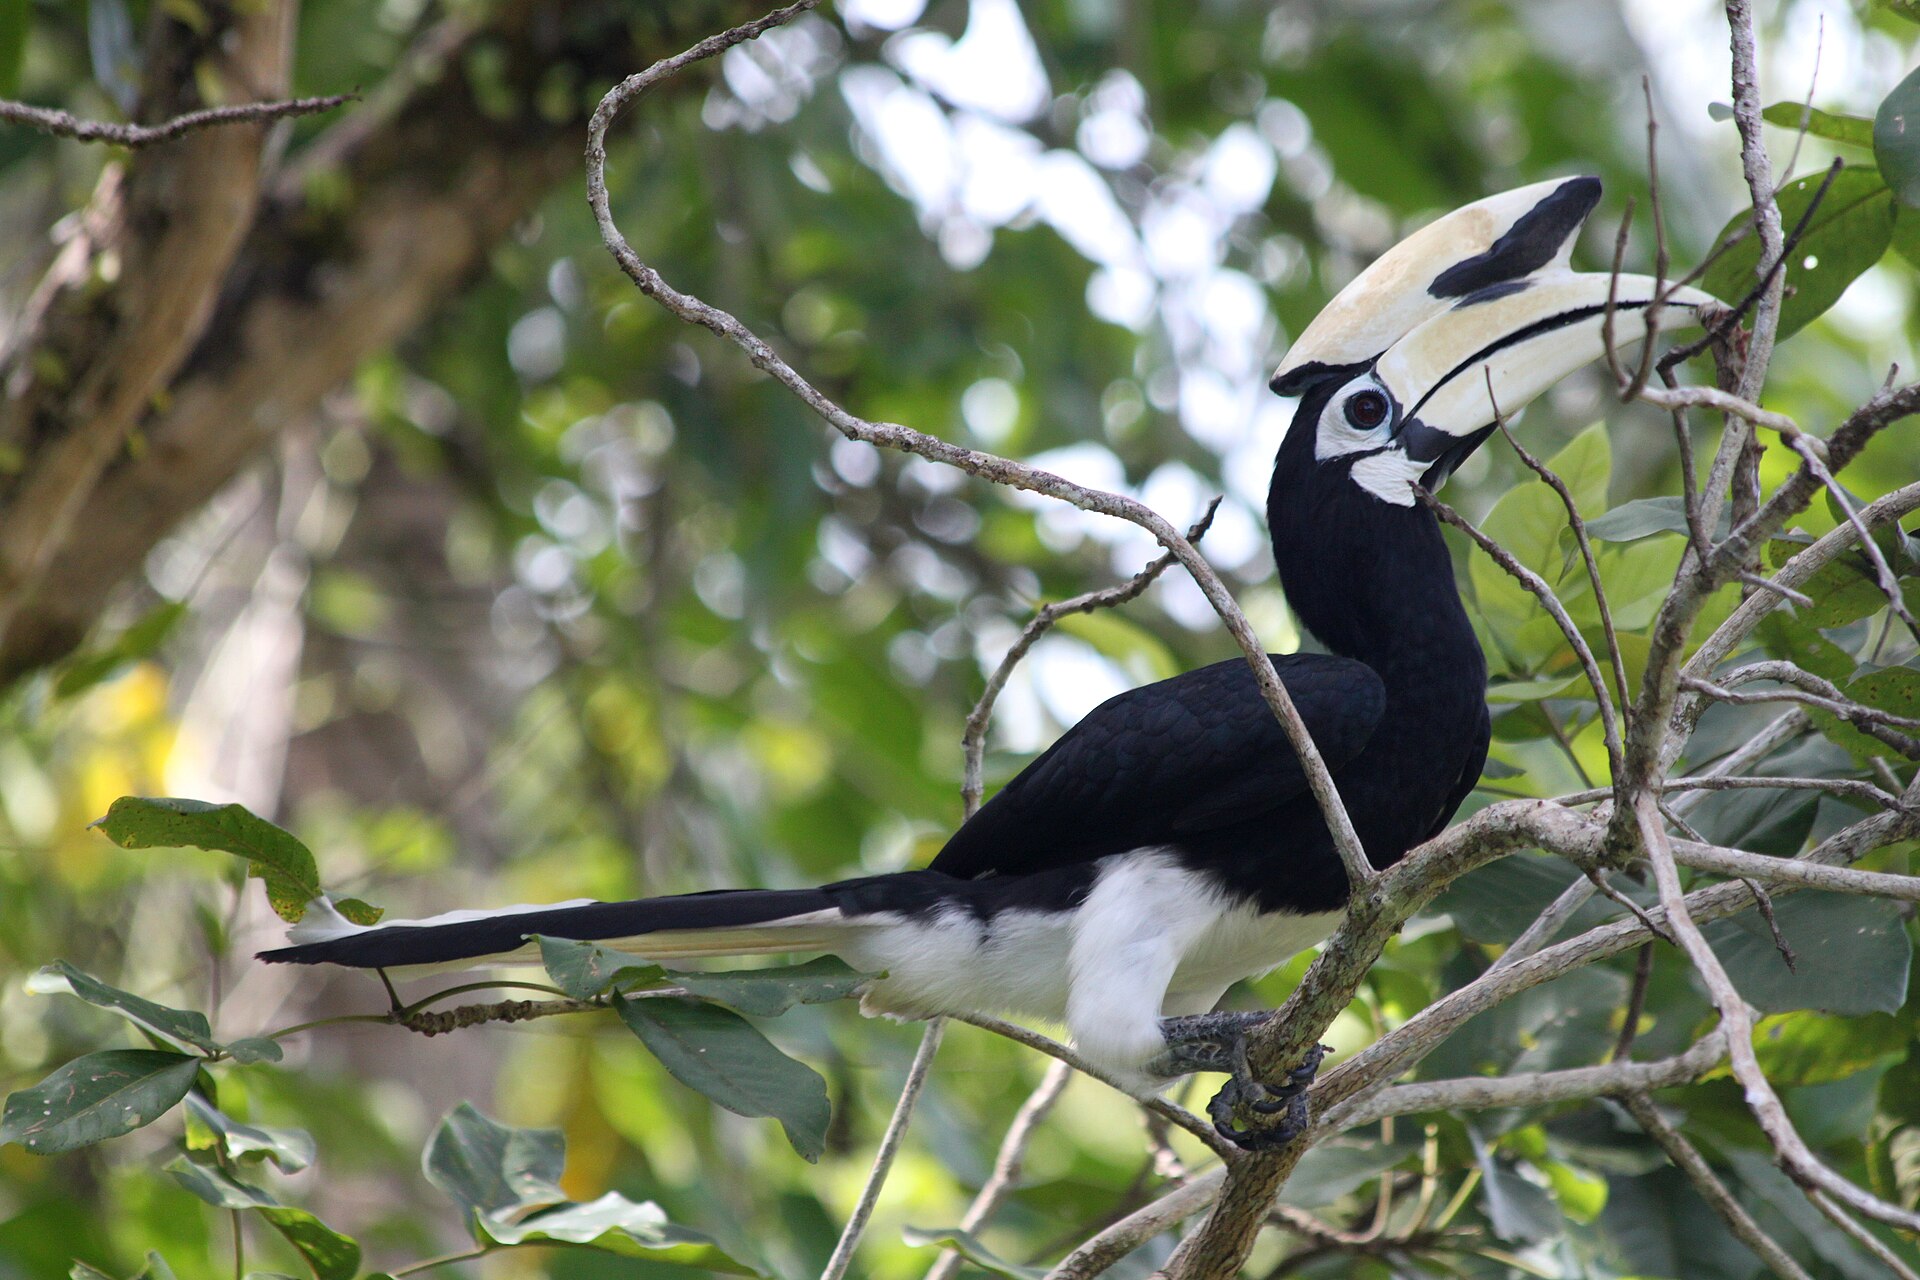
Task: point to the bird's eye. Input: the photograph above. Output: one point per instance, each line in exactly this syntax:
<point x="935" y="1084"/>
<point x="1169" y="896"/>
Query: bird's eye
<point x="1367" y="410"/>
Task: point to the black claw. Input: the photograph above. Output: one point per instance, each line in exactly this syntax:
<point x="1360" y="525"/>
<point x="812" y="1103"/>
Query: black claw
<point x="1288" y="1101"/>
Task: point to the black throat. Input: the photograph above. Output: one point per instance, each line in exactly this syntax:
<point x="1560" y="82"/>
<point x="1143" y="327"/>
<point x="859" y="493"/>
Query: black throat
<point x="1371" y="580"/>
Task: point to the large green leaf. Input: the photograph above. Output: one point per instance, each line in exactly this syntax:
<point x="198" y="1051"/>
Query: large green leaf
<point x="489" y="1167"/>
<point x="331" y="1256"/>
<point x="1848" y="233"/>
<point x="587" y="969"/>
<point x="1892" y="689"/>
<point x="1528" y="521"/>
<point x="972" y="1248"/>
<point x="719" y="1054"/>
<point x="217" y="1187"/>
<point x="1896" y="139"/>
<point x="183" y="1026"/>
<point x="766" y="993"/>
<point x="616" y="1224"/>
<point x="1853" y="131"/>
<point x="1819" y="1048"/>
<point x="100" y="1096"/>
<point x="1851" y="955"/>
<point x="286" y="865"/>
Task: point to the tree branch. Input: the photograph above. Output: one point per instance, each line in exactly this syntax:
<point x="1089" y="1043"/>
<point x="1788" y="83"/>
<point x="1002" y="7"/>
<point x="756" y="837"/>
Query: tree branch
<point x="135" y="136"/>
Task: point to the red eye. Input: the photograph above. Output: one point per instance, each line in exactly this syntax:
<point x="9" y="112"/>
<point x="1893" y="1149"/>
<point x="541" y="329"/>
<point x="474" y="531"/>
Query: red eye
<point x="1367" y="410"/>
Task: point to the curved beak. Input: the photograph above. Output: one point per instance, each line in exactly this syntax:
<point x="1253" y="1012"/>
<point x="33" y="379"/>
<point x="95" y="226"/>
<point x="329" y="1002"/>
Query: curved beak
<point x="1452" y="377"/>
<point x="1503" y="239"/>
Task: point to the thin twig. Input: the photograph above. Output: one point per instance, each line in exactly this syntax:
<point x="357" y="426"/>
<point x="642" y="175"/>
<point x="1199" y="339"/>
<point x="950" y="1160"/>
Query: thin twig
<point x="889" y="1148"/>
<point x="66" y="125"/>
<point x="1172" y="1113"/>
<point x="1690" y="1162"/>
<point x="1534" y="583"/>
<point x="1737" y="1020"/>
<point x="998" y="470"/>
<point x="1864" y="1238"/>
<point x="1007" y="1164"/>
<point x="974" y="740"/>
<point x="1579" y="527"/>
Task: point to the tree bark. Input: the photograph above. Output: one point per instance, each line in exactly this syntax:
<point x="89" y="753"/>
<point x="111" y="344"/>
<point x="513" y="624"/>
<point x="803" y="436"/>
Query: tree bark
<point x="117" y="312"/>
<point x="379" y="222"/>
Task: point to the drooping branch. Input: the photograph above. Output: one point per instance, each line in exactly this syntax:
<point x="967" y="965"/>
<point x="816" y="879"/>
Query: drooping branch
<point x="1690" y="1162"/>
<point x="64" y="124"/>
<point x="984" y="466"/>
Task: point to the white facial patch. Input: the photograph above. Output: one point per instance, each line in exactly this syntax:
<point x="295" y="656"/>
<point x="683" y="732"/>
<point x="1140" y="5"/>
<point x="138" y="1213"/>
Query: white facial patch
<point x="1390" y="476"/>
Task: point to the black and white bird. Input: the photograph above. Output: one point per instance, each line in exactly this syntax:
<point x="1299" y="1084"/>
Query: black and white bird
<point x="1167" y="846"/>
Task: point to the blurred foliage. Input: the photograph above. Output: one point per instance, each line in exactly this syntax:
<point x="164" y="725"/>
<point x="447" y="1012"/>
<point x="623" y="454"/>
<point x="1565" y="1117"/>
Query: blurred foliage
<point x="561" y="598"/>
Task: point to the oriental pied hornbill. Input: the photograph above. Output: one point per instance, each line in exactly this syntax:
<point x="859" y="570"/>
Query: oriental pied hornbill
<point x="1168" y="846"/>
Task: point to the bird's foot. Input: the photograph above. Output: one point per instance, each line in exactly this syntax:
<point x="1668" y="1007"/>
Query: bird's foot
<point x="1206" y="1042"/>
<point x="1289" y="1101"/>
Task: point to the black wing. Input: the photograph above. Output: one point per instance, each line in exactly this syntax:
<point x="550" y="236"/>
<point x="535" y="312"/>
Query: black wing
<point x="1172" y="759"/>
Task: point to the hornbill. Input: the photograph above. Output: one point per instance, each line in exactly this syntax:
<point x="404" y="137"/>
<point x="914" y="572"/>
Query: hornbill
<point x="1167" y="846"/>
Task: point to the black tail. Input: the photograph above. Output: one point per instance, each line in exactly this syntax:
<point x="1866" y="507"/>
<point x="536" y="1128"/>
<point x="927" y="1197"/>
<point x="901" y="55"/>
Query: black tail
<point x="719" y="922"/>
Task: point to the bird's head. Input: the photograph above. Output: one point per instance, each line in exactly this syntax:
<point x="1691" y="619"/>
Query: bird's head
<point x="1404" y="374"/>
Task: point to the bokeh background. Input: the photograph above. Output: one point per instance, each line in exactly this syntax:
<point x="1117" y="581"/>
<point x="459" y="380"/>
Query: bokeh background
<point x="556" y="597"/>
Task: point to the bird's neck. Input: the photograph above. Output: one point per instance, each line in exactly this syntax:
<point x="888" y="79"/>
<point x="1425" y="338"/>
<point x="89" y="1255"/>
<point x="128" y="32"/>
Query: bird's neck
<point x="1374" y="582"/>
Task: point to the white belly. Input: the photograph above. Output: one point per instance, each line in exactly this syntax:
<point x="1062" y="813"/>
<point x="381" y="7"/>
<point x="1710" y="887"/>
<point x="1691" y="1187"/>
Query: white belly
<point x="1150" y="940"/>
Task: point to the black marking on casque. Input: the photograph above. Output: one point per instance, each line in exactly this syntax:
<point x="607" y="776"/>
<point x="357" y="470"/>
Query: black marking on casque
<point x="1505" y="288"/>
<point x="1529" y="243"/>
<point x="1295" y="381"/>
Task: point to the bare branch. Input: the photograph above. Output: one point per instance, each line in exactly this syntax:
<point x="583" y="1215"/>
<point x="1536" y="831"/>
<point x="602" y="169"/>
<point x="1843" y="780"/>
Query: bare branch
<point x="1007" y="1164"/>
<point x="1724" y="402"/>
<point x="1735" y="1017"/>
<point x="134" y="136"/>
<point x="998" y="470"/>
<point x="1796" y="572"/>
<point x="1758" y="169"/>
<point x="1171" y="1112"/>
<point x="1690" y="1162"/>
<point x="974" y="741"/>
<point x="1531" y="1089"/>
<point x="1760" y="866"/>
<point x="1579" y="527"/>
<point x="1868" y="720"/>
<point x="1138" y="1227"/>
<point x="1865" y="1238"/>
<point x="889" y="1148"/>
<point x="1551" y="603"/>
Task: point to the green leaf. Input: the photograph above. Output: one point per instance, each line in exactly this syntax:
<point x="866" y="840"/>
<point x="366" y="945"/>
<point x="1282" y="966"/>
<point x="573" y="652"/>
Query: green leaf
<point x="217" y="1187"/>
<point x="616" y="1224"/>
<point x="970" y="1247"/>
<point x="286" y="865"/>
<point x="489" y="1167"/>
<point x="1849" y="232"/>
<point x="719" y="1054"/>
<point x="1852" y="131"/>
<point x="1896" y="140"/>
<point x="1891" y="689"/>
<point x="138" y="641"/>
<point x="767" y="993"/>
<point x="253" y="1049"/>
<point x="332" y="1256"/>
<point x="1528" y="521"/>
<point x="1534" y="690"/>
<point x="585" y="970"/>
<point x="290" y="1149"/>
<point x="1841" y="1256"/>
<point x="100" y="1096"/>
<point x="1644" y="517"/>
<point x="156" y="1269"/>
<point x="13" y="46"/>
<point x="183" y="1026"/>
<point x="1517" y="1208"/>
<point x="1852" y="955"/>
